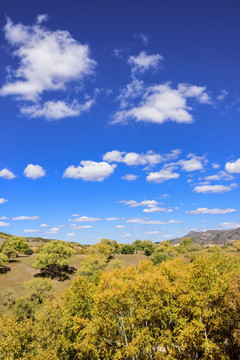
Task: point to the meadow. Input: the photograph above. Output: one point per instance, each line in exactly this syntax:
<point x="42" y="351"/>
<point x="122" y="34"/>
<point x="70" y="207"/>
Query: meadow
<point x="22" y="270"/>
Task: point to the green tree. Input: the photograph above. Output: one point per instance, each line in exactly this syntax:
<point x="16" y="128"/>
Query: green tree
<point x="9" y="251"/>
<point x="93" y="266"/>
<point x="54" y="257"/>
<point x="39" y="289"/>
<point x="127" y="249"/>
<point x="19" y="244"/>
<point x="3" y="260"/>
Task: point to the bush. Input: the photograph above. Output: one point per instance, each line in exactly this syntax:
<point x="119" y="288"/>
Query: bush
<point x="28" y="252"/>
<point x="128" y="249"/>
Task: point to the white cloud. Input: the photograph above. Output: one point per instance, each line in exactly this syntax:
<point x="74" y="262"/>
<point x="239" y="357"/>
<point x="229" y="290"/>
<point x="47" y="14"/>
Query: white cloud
<point x="222" y="96"/>
<point x="222" y="175"/>
<point x="152" y="222"/>
<point x="143" y="37"/>
<point x="213" y="188"/>
<point x="128" y="235"/>
<point x="160" y="103"/>
<point x="151" y="232"/>
<point x="90" y="171"/>
<point x="112" y="219"/>
<point x="233" y="167"/>
<point x="130" y="177"/>
<point x="26" y="218"/>
<point x="80" y="227"/>
<point x="48" y="60"/>
<point x="71" y="234"/>
<point x="2" y="223"/>
<point x="44" y="225"/>
<point x="7" y="174"/>
<point x="153" y="209"/>
<point x="215" y="166"/>
<point x="34" y="171"/>
<point x="164" y="174"/>
<point x="3" y="201"/>
<point x="134" y="203"/>
<point x="30" y="230"/>
<point x="3" y="217"/>
<point x="53" y="230"/>
<point x="152" y="205"/>
<point x="144" y="62"/>
<point x="149" y="158"/>
<point x="230" y="225"/>
<point x="41" y="18"/>
<point x="55" y="110"/>
<point x="211" y="211"/>
<point x="85" y="219"/>
<point x="120" y="226"/>
<point x="75" y="215"/>
<point x="191" y="165"/>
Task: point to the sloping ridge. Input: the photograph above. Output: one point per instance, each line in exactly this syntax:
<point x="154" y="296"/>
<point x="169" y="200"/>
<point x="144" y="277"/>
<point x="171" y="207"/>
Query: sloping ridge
<point x="211" y="236"/>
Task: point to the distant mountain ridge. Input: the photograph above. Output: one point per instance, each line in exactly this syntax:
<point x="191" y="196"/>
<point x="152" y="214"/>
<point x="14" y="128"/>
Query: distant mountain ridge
<point x="210" y="237"/>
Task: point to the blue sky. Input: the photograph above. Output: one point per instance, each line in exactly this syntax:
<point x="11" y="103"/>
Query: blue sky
<point x="119" y="119"/>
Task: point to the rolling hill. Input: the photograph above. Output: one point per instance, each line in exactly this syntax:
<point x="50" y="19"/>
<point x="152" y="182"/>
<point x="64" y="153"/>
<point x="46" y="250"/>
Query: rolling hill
<point x="211" y="237"/>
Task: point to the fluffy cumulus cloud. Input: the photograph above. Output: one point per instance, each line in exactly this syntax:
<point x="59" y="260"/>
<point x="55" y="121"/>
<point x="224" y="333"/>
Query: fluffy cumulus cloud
<point x="3" y="223"/>
<point x="192" y="164"/>
<point x="144" y="62"/>
<point x="55" y="110"/>
<point x="233" y="167"/>
<point x="34" y="171"/>
<point x="211" y="211"/>
<point x="90" y="171"/>
<point x="159" y="103"/>
<point x="48" y="61"/>
<point x="3" y="201"/>
<point x="133" y="159"/>
<point x="112" y="219"/>
<point x="167" y="173"/>
<point x="213" y="188"/>
<point x="26" y="218"/>
<point x="7" y="174"/>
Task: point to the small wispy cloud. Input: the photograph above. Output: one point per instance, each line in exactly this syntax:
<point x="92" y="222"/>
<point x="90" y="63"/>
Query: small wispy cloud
<point x="26" y="218"/>
<point x="211" y="211"/>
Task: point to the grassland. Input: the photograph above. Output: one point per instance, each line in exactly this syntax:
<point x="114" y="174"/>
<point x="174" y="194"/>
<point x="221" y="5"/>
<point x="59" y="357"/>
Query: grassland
<point x="22" y="270"/>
